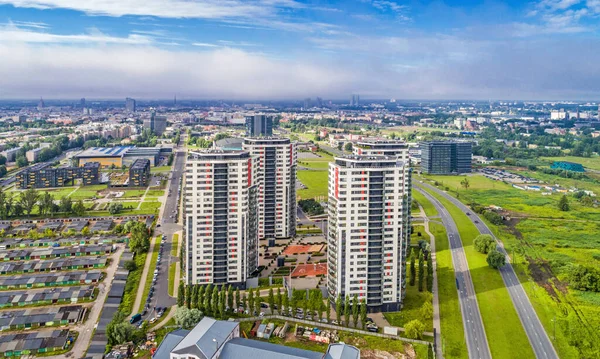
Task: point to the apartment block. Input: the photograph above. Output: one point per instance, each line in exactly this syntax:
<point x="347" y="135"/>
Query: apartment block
<point x="259" y="125"/>
<point x="221" y="217"/>
<point x="398" y="149"/>
<point x="276" y="179"/>
<point x="44" y="176"/>
<point x="446" y="157"/>
<point x="368" y="229"/>
<point x="139" y="173"/>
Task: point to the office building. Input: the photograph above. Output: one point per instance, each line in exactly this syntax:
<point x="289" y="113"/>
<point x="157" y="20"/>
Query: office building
<point x="139" y="173"/>
<point x="368" y="230"/>
<point x="306" y="104"/>
<point x="221" y="217"/>
<point x="44" y="176"/>
<point x="211" y="339"/>
<point x="354" y="100"/>
<point x="156" y="123"/>
<point x="259" y="125"/>
<point x="397" y="149"/>
<point x="446" y="157"/>
<point x="276" y="178"/>
<point x="130" y="105"/>
<point x="119" y="156"/>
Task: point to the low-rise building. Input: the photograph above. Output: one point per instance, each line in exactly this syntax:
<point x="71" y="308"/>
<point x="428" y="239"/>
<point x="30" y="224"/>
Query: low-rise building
<point x="44" y="176"/>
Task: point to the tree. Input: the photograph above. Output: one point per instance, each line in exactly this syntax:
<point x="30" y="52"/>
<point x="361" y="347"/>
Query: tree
<point x="414" y="329"/>
<point x="413" y="270"/>
<point x="85" y="231"/>
<point x="286" y="302"/>
<point x="139" y="239"/>
<point x="46" y="202"/>
<point x="130" y="265"/>
<point x="188" y="296"/>
<point x="348" y="147"/>
<point x="230" y="297"/>
<point x="426" y="310"/>
<point x="328" y="311"/>
<point x="363" y="313"/>
<point x="271" y="300"/>
<point x="340" y="145"/>
<point x="429" y="274"/>
<point x="181" y="295"/>
<point x="2" y="160"/>
<point x="215" y="301"/>
<point x="495" y="259"/>
<point x="279" y="301"/>
<point x="338" y="309"/>
<point x="78" y="208"/>
<point x="294" y="304"/>
<point x="17" y="209"/>
<point x="257" y="302"/>
<point x="22" y="161"/>
<point x="465" y="183"/>
<point x="194" y="297"/>
<point x="28" y="200"/>
<point x="563" y="203"/>
<point x="200" y="299"/>
<point x="484" y="243"/>
<point x="421" y="272"/>
<point x="237" y="297"/>
<point x="115" y="208"/>
<point x="347" y="311"/>
<point x="250" y="301"/>
<point x="223" y="301"/>
<point x="187" y="318"/>
<point x="244" y="301"/>
<point x="208" y="299"/>
<point x="355" y="310"/>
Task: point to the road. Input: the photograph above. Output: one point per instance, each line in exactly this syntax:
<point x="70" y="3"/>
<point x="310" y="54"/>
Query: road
<point x="477" y="343"/>
<point x="540" y="342"/>
<point x="168" y="226"/>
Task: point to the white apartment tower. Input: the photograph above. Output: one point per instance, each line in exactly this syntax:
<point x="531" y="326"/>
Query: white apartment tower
<point x="394" y="148"/>
<point x="221" y="217"/>
<point x="368" y="232"/>
<point x="276" y="179"/>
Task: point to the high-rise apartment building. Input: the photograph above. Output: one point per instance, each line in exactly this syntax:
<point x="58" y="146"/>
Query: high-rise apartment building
<point x="354" y="100"/>
<point x="156" y="123"/>
<point x="130" y="104"/>
<point x="276" y="178"/>
<point x="446" y="157"/>
<point x="397" y="149"/>
<point x="368" y="229"/>
<point x="259" y="125"/>
<point x="221" y="217"/>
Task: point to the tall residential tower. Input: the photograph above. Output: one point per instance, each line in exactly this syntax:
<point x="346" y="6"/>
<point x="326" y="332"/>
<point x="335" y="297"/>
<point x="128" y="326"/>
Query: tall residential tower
<point x="221" y="217"/>
<point x="259" y="125"/>
<point x="368" y="231"/>
<point x="276" y="178"/>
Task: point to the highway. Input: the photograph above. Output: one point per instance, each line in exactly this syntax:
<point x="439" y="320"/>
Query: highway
<point x="475" y="337"/>
<point x="540" y="342"/>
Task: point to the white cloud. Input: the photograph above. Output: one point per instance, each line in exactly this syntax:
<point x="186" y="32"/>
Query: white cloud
<point x="205" y="9"/>
<point x="12" y="34"/>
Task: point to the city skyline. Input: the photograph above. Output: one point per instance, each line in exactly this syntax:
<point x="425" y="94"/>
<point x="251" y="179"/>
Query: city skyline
<point x="285" y="49"/>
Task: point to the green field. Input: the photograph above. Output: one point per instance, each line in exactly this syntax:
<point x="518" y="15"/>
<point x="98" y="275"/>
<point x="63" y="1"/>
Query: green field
<point x="411" y="309"/>
<point x="133" y="193"/>
<point x="316" y="183"/>
<point x="161" y="169"/>
<point x="588" y="163"/>
<point x="317" y="163"/>
<point x="428" y="207"/>
<point x="503" y="327"/>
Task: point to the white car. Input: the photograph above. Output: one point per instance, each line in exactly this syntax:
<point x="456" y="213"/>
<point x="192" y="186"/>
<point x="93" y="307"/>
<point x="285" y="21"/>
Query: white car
<point x="152" y="320"/>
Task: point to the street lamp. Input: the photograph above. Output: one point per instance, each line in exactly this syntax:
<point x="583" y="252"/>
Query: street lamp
<point x="216" y="347"/>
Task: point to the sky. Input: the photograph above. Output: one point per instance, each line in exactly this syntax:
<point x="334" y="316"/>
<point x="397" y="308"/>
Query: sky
<point x="294" y="49"/>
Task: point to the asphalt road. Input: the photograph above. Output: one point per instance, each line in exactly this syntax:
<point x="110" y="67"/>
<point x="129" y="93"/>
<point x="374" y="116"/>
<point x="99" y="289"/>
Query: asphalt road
<point x="477" y="344"/>
<point x="168" y="226"/>
<point x="540" y="342"/>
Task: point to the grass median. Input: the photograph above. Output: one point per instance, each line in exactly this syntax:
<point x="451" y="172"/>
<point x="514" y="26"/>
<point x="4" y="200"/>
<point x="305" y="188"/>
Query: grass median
<point x="148" y="282"/>
<point x="502" y="325"/>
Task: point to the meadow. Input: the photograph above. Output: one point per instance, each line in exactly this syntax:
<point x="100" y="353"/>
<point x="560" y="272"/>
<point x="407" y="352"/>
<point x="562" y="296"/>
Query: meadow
<point x="314" y="176"/>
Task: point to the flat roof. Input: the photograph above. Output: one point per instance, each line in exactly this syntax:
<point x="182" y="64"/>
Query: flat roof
<point x="117" y="151"/>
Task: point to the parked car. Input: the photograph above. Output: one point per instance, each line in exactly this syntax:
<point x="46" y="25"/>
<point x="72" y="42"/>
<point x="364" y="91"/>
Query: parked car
<point x="152" y="320"/>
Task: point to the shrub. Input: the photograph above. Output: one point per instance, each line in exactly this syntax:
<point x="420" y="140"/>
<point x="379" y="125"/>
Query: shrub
<point x="496" y="259"/>
<point x="484" y="243"/>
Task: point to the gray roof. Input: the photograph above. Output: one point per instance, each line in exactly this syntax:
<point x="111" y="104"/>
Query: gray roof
<point x="200" y="342"/>
<point x="342" y="351"/>
<point x="169" y="342"/>
<point x="229" y="143"/>
<point x="253" y="349"/>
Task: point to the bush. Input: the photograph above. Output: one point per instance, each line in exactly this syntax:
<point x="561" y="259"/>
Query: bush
<point x="493" y="217"/>
<point x="130" y="265"/>
<point x="584" y="278"/>
<point x="414" y="329"/>
<point x="311" y="207"/>
<point x="484" y="243"/>
<point x="496" y="259"/>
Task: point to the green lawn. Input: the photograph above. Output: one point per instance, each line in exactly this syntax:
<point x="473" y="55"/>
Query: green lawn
<point x="149" y="207"/>
<point x="316" y="183"/>
<point x="428" y="207"/>
<point x="503" y="327"/>
<point x="161" y="169"/>
<point x="132" y="284"/>
<point x="87" y="192"/>
<point x="411" y="309"/>
<point x="317" y="163"/>
<point x="172" y="268"/>
<point x="133" y="193"/>
<point x="175" y="244"/>
<point x="591" y="162"/>
<point x="155" y="193"/>
<point x="148" y="282"/>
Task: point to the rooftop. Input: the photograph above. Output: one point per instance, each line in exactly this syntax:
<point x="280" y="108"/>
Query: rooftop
<point x="203" y="340"/>
<point x="253" y="349"/>
<point x="117" y="151"/>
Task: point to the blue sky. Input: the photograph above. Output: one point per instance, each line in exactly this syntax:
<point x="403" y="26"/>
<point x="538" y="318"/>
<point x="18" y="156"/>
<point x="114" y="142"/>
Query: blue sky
<point x="284" y="49"/>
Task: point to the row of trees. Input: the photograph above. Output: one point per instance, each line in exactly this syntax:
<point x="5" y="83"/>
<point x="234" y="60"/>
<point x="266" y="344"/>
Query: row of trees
<point x="28" y="200"/>
<point x="486" y="244"/>
<point x="422" y="253"/>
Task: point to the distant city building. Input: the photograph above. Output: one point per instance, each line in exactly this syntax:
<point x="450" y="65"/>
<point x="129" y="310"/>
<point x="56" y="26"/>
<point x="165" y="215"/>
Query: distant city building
<point x="446" y="157"/>
<point x="82" y="102"/>
<point x="398" y="149"/>
<point x="259" y="125"/>
<point x="368" y="232"/>
<point x="156" y="123"/>
<point x="558" y="115"/>
<point x="567" y="166"/>
<point x="44" y="176"/>
<point x="221" y="214"/>
<point x="10" y="154"/>
<point x="32" y="155"/>
<point x="41" y="104"/>
<point x="130" y="104"/>
<point x="355" y="100"/>
<point x="139" y="173"/>
<point x="276" y="177"/>
<point x="306" y="103"/>
<point x="319" y="102"/>
<point x="120" y="155"/>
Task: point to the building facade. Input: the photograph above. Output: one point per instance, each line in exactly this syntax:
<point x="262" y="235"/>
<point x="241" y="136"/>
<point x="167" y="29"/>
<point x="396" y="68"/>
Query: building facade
<point x="369" y="229"/>
<point x="130" y="104"/>
<point x="156" y="123"/>
<point x="45" y="176"/>
<point x="221" y="217"/>
<point x="139" y="173"/>
<point x="276" y="178"/>
<point x="259" y="125"/>
<point x="446" y="157"/>
<point x="397" y="149"/>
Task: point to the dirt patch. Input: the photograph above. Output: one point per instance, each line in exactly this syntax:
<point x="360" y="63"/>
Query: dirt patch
<point x="542" y="275"/>
<point x="511" y="226"/>
<point x="381" y="354"/>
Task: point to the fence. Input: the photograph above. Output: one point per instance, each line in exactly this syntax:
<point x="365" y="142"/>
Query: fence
<point x="336" y="327"/>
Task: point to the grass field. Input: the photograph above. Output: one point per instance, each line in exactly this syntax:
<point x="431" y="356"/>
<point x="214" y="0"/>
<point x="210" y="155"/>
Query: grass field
<point x="172" y="268"/>
<point x="87" y="192"/>
<point x="428" y="207"/>
<point x="148" y="282"/>
<point x="591" y="162"/>
<point x="161" y="169"/>
<point x="503" y="327"/>
<point x="174" y="245"/>
<point x="133" y="193"/>
<point x="411" y="309"/>
<point x="155" y="193"/>
<point x="316" y="163"/>
<point x="316" y="183"/>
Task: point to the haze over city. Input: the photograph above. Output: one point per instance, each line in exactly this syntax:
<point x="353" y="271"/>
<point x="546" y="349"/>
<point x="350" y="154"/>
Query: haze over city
<point x="282" y="49"/>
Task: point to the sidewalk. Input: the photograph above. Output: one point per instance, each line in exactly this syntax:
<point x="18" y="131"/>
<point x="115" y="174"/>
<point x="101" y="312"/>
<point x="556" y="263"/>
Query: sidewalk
<point x="436" y="303"/>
